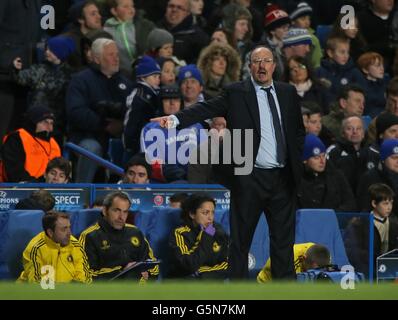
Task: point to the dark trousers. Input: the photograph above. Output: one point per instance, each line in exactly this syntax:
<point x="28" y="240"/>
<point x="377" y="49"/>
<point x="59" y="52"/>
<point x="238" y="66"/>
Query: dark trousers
<point x="268" y="191"/>
<point x="6" y="109"/>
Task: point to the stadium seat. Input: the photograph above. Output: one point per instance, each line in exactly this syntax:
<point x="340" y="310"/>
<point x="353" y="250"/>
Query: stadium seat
<point x="321" y="226"/>
<point x="115" y="151"/>
<point x="18" y="228"/>
<point x="82" y="219"/>
<point x="366" y="120"/>
<point x="259" y="249"/>
<point x="322" y="32"/>
<point x="162" y="223"/>
<point x="144" y="221"/>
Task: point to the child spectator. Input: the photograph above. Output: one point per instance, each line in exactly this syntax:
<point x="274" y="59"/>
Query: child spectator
<point x="48" y="80"/>
<point x="338" y="69"/>
<point x="128" y="30"/>
<point x="199" y="247"/>
<point x="301" y="18"/>
<point x="142" y="103"/>
<point x="167" y="71"/>
<point x="160" y="44"/>
<point x="375" y="85"/>
<point x="385" y="229"/>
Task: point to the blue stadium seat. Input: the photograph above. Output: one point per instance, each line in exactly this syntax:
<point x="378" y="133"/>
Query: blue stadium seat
<point x="259" y="249"/>
<point x="115" y="151"/>
<point x="162" y="224"/>
<point x="321" y="226"/>
<point x="144" y="221"/>
<point x="366" y="121"/>
<point x="19" y="228"/>
<point x="322" y="32"/>
<point x="82" y="219"/>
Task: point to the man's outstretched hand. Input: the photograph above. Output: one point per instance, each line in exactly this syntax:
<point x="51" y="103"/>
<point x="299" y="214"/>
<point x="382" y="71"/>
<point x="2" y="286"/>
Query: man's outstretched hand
<point x="165" y="122"/>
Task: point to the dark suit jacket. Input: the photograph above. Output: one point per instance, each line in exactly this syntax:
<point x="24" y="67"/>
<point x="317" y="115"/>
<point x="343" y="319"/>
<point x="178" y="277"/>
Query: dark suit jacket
<point x="238" y="104"/>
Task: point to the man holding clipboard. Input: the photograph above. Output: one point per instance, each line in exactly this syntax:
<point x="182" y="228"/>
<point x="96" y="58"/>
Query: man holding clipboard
<point x="117" y="250"/>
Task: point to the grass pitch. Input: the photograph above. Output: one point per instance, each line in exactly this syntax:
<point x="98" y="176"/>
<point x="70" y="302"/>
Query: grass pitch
<point x="199" y="291"/>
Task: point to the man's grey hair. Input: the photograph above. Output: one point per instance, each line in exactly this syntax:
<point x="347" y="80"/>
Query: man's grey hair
<point x="98" y="46"/>
<point x="116" y="194"/>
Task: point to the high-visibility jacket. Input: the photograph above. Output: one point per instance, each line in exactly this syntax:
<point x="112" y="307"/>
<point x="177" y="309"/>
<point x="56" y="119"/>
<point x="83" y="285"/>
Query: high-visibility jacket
<point x="69" y="263"/>
<point x="38" y="153"/>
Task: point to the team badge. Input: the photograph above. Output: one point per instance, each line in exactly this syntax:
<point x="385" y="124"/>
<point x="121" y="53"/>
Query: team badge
<point x="188" y="74"/>
<point x="70" y="258"/>
<point x="252" y="261"/>
<point x="316" y="151"/>
<point x="216" y="247"/>
<point x="122" y="86"/>
<point x="395" y="150"/>
<point x="105" y="245"/>
<point x="135" y="241"/>
<point x="344" y="81"/>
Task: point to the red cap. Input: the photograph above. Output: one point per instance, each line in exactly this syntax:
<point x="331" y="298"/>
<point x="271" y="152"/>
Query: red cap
<point x="275" y="17"/>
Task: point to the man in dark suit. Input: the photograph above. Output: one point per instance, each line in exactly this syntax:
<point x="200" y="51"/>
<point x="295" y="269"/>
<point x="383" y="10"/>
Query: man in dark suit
<point x="272" y="111"/>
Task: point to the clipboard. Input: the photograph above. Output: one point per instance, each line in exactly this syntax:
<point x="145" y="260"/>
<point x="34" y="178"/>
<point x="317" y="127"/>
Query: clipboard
<point x="138" y="267"/>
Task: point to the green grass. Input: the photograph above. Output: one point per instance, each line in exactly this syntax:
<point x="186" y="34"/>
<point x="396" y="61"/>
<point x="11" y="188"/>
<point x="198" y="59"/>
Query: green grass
<point x="198" y="291"/>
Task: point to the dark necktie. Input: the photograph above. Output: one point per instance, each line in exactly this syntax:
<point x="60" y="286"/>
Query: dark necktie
<point x="280" y="142"/>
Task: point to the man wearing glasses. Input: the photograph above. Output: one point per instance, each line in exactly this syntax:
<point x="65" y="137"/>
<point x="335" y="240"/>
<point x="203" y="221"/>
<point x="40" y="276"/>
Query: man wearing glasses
<point x="189" y="39"/>
<point x="271" y="109"/>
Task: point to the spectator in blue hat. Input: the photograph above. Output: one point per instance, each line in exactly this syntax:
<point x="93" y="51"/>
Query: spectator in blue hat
<point x="322" y="185"/>
<point x="47" y="81"/>
<point x="142" y="103"/>
<point x="386" y="173"/>
<point x="191" y="84"/>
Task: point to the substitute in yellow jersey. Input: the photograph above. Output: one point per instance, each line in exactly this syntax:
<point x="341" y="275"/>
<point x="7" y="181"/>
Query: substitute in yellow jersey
<point x="306" y="256"/>
<point x="55" y="249"/>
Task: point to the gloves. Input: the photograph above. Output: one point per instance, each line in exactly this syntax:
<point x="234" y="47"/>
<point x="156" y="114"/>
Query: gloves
<point x="210" y="230"/>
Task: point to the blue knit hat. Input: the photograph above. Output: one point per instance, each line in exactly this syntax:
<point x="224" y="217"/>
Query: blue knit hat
<point x="146" y="67"/>
<point x="388" y="148"/>
<point x="297" y="36"/>
<point x="313" y="146"/>
<point x="61" y="46"/>
<point x="189" y="71"/>
<point x="302" y="9"/>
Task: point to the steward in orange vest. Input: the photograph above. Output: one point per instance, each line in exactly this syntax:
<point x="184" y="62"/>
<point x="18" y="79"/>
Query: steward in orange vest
<point x="27" y="151"/>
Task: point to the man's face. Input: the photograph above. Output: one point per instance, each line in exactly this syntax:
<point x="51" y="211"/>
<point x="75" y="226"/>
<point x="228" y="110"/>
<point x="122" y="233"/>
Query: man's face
<point x="262" y="66"/>
<point x="117" y="214"/>
<point x="353" y="130"/>
<point x="197" y="6"/>
<point x="56" y="175"/>
<point x="62" y="232"/>
<point x="136" y="174"/>
<point x="392" y="104"/>
<point x="45" y="125"/>
<point x="91" y="18"/>
<point x="171" y="106"/>
<point x="316" y="163"/>
<point x="191" y="89"/>
<point x="109" y="61"/>
<point x="124" y="11"/>
<point x="392" y="163"/>
<point x="177" y="11"/>
<point x="354" y="104"/>
<point x="383" y="6"/>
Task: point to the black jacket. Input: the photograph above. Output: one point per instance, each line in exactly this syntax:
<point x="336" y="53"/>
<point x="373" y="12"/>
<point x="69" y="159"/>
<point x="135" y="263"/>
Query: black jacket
<point x="196" y="254"/>
<point x="110" y="250"/>
<point x="238" y="105"/>
<point x="326" y="190"/>
<point x="351" y="162"/>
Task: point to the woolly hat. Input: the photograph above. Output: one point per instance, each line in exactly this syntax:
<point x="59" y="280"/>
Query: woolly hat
<point x="313" y="146"/>
<point x="275" y="17"/>
<point x="170" y="91"/>
<point x="39" y="113"/>
<point x="302" y="9"/>
<point x="233" y="12"/>
<point x="61" y="46"/>
<point x="158" y="38"/>
<point x="297" y="36"/>
<point x="385" y="121"/>
<point x="146" y="67"/>
<point x="189" y="71"/>
<point x="388" y="148"/>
